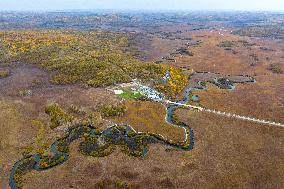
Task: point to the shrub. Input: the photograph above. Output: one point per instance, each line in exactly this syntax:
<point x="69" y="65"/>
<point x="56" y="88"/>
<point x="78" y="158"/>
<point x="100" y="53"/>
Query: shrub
<point x="36" y="82"/>
<point x="111" y="110"/>
<point x="276" y="69"/>
<point x="27" y="151"/>
<point x="25" y="166"/>
<point x="227" y="44"/>
<point x="131" y="133"/>
<point x="47" y="161"/>
<point x="4" y="73"/>
<point x="25" y="93"/>
<point x="58" y="116"/>
<point x="107" y="183"/>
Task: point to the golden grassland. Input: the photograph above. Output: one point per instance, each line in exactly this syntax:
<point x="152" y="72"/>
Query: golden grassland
<point x="246" y="56"/>
<point x="15" y="135"/>
<point x="263" y="100"/>
<point x="240" y="154"/>
<point x="146" y="116"/>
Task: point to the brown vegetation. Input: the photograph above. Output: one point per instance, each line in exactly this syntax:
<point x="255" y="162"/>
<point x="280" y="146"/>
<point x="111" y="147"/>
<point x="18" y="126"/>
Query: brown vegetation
<point x="145" y="116"/>
<point x="228" y="153"/>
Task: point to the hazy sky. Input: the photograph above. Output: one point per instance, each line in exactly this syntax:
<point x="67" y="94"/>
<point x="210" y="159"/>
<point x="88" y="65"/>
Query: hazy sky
<point x="143" y="4"/>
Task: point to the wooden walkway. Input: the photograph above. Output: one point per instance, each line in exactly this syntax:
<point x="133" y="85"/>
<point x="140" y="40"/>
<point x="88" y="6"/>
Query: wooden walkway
<point x="229" y="115"/>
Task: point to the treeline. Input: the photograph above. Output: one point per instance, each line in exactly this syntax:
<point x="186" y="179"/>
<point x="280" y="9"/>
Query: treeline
<point x="269" y="31"/>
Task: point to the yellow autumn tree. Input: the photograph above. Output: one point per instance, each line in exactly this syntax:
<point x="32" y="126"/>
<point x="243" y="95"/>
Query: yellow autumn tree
<point x="175" y="84"/>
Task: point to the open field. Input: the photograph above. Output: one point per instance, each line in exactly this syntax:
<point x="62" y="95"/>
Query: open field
<point x="147" y="116"/>
<point x="263" y="99"/>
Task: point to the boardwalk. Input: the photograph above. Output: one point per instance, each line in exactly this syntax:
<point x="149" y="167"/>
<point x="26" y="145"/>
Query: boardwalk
<point x="229" y="115"/>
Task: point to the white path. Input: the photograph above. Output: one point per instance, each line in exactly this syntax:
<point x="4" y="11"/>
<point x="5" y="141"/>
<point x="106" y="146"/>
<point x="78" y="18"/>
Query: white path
<point x="230" y="115"/>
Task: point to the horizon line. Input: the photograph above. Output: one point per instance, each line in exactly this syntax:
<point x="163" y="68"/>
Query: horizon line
<point x="140" y="10"/>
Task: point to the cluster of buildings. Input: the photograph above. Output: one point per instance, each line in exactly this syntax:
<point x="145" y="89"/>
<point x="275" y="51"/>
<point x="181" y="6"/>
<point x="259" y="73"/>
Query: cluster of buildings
<point x="148" y="92"/>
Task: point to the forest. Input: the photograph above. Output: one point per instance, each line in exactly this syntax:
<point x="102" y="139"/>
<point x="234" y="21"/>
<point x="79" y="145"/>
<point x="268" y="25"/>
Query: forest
<point x="92" y="58"/>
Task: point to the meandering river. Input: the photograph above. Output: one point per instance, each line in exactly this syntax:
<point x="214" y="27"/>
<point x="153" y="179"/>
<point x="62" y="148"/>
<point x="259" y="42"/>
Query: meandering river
<point x="100" y="143"/>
